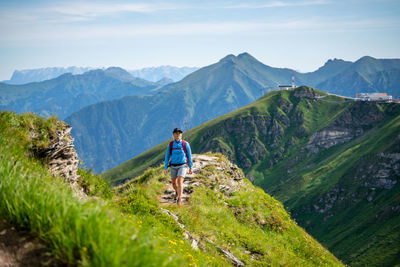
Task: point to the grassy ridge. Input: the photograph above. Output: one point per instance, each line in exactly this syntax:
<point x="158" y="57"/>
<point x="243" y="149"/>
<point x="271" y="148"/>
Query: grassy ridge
<point x="95" y="233"/>
<point x="251" y="224"/>
<point x="127" y="226"/>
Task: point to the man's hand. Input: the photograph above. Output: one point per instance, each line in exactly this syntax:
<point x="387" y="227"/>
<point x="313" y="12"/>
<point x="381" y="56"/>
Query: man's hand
<point x="190" y="171"/>
<point x="165" y="172"/>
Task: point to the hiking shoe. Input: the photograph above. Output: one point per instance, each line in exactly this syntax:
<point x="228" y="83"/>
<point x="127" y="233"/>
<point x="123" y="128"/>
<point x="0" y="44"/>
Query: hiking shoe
<point x="179" y="201"/>
<point x="176" y="196"/>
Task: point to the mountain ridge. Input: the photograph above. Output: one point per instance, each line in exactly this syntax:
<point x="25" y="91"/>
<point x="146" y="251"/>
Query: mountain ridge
<point x="232" y="82"/>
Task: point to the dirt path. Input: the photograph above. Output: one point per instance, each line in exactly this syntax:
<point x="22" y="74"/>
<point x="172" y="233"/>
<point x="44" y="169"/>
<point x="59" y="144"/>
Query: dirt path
<point x="199" y="162"/>
<point x="19" y="248"/>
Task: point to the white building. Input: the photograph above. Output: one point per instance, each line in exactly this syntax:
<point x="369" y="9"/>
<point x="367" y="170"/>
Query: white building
<point x="374" y="97"/>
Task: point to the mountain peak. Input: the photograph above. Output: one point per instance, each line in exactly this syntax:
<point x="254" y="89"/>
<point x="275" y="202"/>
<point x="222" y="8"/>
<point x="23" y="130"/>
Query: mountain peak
<point x="229" y="57"/>
<point x="241" y="57"/>
<point x="116" y="70"/>
<point x="119" y="73"/>
<point x="366" y="58"/>
<point x="245" y="55"/>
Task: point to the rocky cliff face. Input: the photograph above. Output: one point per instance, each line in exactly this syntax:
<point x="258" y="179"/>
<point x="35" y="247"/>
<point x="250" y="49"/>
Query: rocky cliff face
<point x="62" y="158"/>
<point x="372" y="176"/>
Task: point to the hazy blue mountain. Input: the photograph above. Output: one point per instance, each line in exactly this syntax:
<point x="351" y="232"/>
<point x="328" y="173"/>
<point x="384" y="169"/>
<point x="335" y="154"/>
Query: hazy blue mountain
<point x="164" y="81"/>
<point x="155" y="74"/>
<point x="68" y="93"/>
<point x="41" y="74"/>
<point x="328" y="70"/>
<point x="369" y="65"/>
<point x="365" y="75"/>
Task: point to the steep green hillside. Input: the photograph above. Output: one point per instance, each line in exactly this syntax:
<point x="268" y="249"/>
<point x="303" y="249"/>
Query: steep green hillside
<point x="224" y="221"/>
<point x="334" y="163"/>
<point x="68" y="93"/>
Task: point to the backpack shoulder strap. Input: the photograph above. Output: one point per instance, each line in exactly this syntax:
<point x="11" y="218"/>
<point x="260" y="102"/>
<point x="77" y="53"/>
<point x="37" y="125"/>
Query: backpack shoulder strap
<point x="170" y="147"/>
<point x="184" y="149"/>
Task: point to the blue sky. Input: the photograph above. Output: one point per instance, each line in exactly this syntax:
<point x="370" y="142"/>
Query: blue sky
<point x="301" y="34"/>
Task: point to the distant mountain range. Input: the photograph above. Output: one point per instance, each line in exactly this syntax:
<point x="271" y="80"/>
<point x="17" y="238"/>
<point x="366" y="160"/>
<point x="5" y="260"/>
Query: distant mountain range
<point x="209" y="92"/>
<point x="334" y="163"/>
<point x="153" y="74"/>
<point x="69" y="93"/>
<point x="42" y="74"/>
<point x="129" y="126"/>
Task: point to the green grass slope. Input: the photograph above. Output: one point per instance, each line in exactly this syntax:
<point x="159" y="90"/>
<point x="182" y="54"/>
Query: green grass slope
<point x="331" y="161"/>
<point x="127" y="226"/>
<point x="252" y="225"/>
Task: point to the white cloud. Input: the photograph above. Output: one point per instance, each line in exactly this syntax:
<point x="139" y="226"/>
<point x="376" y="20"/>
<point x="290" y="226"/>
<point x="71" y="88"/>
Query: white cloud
<point x="280" y="4"/>
<point x="78" y="11"/>
<point x="77" y="33"/>
<point x="91" y="10"/>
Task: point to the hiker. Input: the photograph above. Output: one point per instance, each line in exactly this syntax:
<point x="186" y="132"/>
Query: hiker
<point x="179" y="152"/>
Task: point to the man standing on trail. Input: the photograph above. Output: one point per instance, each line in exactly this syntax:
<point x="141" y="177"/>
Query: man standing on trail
<point x="181" y="155"/>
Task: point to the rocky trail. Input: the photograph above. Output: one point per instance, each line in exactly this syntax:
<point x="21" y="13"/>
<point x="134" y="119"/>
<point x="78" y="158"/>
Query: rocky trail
<point x="224" y="184"/>
<point x="199" y="162"/>
<point x="192" y="180"/>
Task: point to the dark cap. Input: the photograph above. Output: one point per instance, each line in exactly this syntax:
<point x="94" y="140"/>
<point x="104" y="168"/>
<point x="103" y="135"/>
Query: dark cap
<point x="177" y="130"/>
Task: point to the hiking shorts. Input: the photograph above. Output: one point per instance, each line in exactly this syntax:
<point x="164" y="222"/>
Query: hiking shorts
<point x="178" y="171"/>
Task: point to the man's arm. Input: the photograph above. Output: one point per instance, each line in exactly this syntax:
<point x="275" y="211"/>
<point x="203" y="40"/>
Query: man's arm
<point x="167" y="155"/>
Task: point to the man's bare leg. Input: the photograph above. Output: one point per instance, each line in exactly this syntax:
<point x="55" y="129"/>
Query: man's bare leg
<point x="179" y="186"/>
<point x="174" y="184"/>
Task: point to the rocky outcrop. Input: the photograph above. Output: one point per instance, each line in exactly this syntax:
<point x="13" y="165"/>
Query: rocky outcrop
<point x="62" y="158"/>
<point x="353" y="122"/>
<point x="372" y="175"/>
<point x="382" y="173"/>
<point x="330" y="137"/>
<point x="305" y="92"/>
<point x="360" y="114"/>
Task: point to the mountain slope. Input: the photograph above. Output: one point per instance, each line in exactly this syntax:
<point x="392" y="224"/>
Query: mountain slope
<point x="225" y="221"/>
<point x="367" y="74"/>
<point x="68" y="93"/>
<point x="222" y="209"/>
<point x="334" y="163"/>
<point x="111" y="132"/>
<point x="331" y="68"/>
<point x="209" y="92"/>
